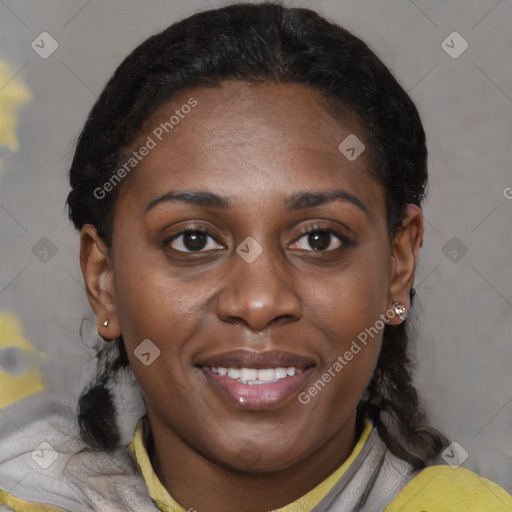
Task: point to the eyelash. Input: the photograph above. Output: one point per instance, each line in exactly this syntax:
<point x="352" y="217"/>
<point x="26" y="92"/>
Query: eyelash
<point x="189" y="229"/>
<point x="345" y="241"/>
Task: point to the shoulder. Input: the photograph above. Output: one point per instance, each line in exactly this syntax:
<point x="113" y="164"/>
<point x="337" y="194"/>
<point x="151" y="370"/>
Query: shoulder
<point x="445" y="489"/>
<point x="37" y="438"/>
<point x="43" y="461"/>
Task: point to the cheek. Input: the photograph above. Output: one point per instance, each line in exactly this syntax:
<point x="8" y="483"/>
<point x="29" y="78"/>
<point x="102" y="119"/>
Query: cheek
<point x="153" y="307"/>
<point x="152" y="303"/>
<point x="349" y="309"/>
<point x="352" y="300"/>
<point x="349" y="360"/>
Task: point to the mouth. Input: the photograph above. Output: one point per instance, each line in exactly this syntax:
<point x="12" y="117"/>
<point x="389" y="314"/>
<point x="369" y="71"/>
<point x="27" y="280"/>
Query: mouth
<point x="257" y="380"/>
<point x="256" y="376"/>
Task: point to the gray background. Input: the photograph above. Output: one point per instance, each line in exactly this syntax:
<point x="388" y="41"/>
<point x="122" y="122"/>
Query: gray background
<point x="464" y="309"/>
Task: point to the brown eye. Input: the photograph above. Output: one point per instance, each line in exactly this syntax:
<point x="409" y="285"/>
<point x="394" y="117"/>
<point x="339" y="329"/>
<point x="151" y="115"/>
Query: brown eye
<point x="320" y="239"/>
<point x="192" y="240"/>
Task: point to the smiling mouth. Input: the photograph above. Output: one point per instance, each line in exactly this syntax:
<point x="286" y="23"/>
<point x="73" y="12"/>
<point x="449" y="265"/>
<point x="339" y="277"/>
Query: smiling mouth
<point x="257" y="389"/>
<point x="257" y="381"/>
<point x="256" y="376"/>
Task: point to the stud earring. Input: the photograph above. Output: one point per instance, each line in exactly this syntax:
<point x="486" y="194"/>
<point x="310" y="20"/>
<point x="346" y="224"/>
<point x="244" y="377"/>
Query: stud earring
<point x="400" y="309"/>
<point x="105" y="323"/>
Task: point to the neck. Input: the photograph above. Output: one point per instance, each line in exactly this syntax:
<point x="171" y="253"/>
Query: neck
<point x="198" y="483"/>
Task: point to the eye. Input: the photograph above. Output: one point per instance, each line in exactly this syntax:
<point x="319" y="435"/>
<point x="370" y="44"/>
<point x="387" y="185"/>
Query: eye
<point x="192" y="240"/>
<point x="320" y="239"/>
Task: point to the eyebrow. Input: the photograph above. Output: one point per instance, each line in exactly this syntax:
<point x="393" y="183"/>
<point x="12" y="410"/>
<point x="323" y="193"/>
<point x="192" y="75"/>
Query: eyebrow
<point x="298" y="201"/>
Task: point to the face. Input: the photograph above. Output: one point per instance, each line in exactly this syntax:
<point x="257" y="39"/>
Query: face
<point x="253" y="255"/>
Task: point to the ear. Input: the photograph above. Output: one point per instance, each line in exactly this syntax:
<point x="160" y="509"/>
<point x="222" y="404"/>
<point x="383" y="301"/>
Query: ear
<point x="405" y="251"/>
<point x="98" y="275"/>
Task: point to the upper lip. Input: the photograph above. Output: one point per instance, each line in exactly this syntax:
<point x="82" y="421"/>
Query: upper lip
<point x="259" y="360"/>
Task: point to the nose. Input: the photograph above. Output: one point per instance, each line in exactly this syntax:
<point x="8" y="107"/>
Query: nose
<point x="259" y="293"/>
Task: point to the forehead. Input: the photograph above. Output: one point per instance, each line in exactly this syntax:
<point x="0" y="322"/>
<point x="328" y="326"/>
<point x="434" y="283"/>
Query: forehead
<point x="278" y="115"/>
<point x="241" y="140"/>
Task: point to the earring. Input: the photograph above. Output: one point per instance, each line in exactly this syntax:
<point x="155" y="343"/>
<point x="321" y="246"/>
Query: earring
<point x="400" y="309"/>
<point x="105" y="323"/>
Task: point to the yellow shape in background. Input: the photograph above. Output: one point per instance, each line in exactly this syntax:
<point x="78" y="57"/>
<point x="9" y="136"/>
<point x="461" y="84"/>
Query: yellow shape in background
<point x="25" y="380"/>
<point x="16" y="387"/>
<point x="12" y="95"/>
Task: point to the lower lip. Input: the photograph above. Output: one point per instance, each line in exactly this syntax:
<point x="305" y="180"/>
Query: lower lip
<point x="258" y="396"/>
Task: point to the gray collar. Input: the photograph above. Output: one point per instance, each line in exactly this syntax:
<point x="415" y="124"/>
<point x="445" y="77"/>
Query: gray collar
<point x="370" y="483"/>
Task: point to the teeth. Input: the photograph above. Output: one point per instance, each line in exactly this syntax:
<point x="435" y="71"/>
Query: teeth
<point x="248" y="374"/>
<point x="281" y="373"/>
<point x="233" y="373"/>
<point x="267" y="375"/>
<point x="256" y="376"/>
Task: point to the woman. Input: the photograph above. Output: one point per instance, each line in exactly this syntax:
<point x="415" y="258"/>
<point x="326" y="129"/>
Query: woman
<point x="248" y="190"/>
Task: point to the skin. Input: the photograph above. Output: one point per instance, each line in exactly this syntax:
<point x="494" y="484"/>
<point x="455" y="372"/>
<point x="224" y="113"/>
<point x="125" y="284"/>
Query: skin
<point x="255" y="145"/>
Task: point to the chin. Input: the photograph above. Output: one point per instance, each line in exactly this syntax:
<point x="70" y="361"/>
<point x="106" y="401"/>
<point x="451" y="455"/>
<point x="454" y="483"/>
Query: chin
<point x="254" y="459"/>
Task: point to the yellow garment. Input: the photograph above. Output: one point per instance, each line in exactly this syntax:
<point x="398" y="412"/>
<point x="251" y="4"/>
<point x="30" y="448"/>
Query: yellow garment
<point x="444" y="489"/>
<point x="25" y="506"/>
<point x="304" y="504"/>
<point x="14" y="388"/>
<point x="435" y="489"/>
